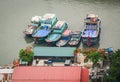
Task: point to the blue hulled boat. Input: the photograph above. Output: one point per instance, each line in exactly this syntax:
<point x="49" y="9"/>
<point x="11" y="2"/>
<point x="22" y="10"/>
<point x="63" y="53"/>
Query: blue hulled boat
<point x="91" y="32"/>
<point x="47" y="22"/>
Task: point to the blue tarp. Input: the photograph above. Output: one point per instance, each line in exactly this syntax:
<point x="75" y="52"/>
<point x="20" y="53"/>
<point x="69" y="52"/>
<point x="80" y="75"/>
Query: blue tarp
<point x="42" y="33"/>
<point x="90" y="33"/>
<point x="65" y="38"/>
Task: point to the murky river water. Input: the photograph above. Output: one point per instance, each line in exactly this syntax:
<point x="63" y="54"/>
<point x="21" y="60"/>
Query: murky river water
<point x="15" y="15"/>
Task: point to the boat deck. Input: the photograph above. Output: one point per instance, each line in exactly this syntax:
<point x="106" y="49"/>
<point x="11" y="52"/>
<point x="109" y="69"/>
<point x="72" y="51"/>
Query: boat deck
<point x="90" y="33"/>
<point x="41" y="33"/>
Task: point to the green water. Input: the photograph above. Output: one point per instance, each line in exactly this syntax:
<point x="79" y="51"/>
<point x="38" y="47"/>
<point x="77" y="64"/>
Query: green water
<point x="15" y="15"/>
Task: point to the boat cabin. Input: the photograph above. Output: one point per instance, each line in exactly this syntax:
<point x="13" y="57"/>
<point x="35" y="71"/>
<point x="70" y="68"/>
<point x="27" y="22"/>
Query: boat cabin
<point x="49" y="19"/>
<point x="36" y="19"/>
<point x="59" y="27"/>
<point x="91" y="19"/>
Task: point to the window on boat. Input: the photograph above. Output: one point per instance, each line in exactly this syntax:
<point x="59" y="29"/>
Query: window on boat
<point x="91" y="26"/>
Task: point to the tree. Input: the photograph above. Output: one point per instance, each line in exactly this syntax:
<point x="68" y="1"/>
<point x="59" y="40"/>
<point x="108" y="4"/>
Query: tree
<point x="93" y="55"/>
<point x="26" y="54"/>
<point x="113" y="72"/>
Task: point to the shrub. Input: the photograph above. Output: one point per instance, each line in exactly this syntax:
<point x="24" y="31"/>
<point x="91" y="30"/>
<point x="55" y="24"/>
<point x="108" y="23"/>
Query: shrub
<point x="26" y="55"/>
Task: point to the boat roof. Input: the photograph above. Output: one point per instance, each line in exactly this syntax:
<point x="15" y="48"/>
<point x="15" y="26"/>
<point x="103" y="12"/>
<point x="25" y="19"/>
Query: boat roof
<point x="66" y="32"/>
<point x="49" y="16"/>
<point x="41" y="33"/>
<point x="36" y="19"/>
<point x="59" y="24"/>
<point x="92" y="16"/>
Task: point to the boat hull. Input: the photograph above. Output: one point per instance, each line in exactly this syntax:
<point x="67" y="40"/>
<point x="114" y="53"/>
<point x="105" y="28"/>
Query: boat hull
<point x="75" y="39"/>
<point x="62" y="42"/>
<point x="53" y="38"/>
<point x="92" y="30"/>
<point x="30" y="30"/>
<point x="65" y="38"/>
<point x="90" y="41"/>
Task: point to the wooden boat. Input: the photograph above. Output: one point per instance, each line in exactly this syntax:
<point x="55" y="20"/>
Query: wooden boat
<point x="47" y="22"/>
<point x="31" y="29"/>
<point x="75" y="38"/>
<point x="65" y="38"/>
<point x="53" y="38"/>
<point x="91" y="32"/>
<point x="58" y="29"/>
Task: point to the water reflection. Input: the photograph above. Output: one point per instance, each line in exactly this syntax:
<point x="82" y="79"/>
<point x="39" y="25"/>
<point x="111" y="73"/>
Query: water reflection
<point x="94" y="46"/>
<point x="28" y="39"/>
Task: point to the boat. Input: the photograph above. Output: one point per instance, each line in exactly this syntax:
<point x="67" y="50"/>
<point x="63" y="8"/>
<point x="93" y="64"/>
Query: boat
<point x="47" y="22"/>
<point x="42" y="33"/>
<point x="31" y="29"/>
<point x="75" y="38"/>
<point x="36" y="19"/>
<point x="91" y="32"/>
<point x="49" y="19"/>
<point x="56" y="34"/>
<point x="65" y="38"/>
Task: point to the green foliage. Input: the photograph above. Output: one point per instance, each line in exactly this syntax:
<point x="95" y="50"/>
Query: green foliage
<point x="114" y="71"/>
<point x="94" y="56"/>
<point x="26" y="55"/>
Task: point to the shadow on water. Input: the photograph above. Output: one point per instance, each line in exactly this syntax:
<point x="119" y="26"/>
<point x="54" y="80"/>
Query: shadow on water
<point x="93" y="46"/>
<point x="28" y="39"/>
<point x="41" y="44"/>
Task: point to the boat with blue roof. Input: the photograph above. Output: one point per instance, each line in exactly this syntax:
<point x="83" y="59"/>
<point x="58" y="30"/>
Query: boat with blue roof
<point x="91" y="32"/>
<point x="56" y="34"/>
<point x="47" y="22"/>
